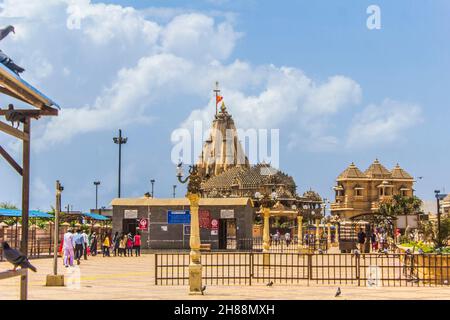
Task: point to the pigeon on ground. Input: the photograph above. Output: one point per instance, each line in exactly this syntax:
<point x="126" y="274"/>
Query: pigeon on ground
<point x="7" y="61"/>
<point x="203" y="290"/>
<point x="16" y="257"/>
<point x="270" y="284"/>
<point x="338" y="292"/>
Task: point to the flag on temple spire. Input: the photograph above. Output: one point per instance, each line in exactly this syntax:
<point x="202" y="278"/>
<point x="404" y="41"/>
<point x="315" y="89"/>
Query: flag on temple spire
<point x="218" y="99"/>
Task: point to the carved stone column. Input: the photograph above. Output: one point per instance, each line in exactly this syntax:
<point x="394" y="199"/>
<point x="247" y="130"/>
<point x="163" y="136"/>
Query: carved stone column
<point x="195" y="267"/>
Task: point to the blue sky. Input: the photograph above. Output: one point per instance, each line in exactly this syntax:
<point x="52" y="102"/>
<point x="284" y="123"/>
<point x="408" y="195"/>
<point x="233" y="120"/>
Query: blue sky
<point x="337" y="91"/>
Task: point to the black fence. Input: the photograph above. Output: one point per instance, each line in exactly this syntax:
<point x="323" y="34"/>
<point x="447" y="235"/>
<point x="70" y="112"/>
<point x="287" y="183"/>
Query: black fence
<point x="282" y="246"/>
<point x="254" y="268"/>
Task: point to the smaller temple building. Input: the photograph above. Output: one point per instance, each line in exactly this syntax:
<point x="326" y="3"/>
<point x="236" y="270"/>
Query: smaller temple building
<point x="358" y="194"/>
<point x="225" y="223"/>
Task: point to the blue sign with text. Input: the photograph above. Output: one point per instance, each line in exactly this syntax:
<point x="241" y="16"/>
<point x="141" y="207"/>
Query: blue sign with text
<point x="178" y="217"/>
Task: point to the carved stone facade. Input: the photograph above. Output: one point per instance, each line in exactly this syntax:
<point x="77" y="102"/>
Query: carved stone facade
<point x="359" y="194"/>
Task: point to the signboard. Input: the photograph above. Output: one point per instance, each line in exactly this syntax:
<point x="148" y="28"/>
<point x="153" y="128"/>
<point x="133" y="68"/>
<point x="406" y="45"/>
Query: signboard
<point x="178" y="217"/>
<point x="227" y="214"/>
<point x="164" y="228"/>
<point x="143" y="224"/>
<point x="130" y="214"/>
<point x="403" y="221"/>
<point x="204" y="219"/>
<point x="214" y="224"/>
<point x="214" y="232"/>
<point x="187" y="230"/>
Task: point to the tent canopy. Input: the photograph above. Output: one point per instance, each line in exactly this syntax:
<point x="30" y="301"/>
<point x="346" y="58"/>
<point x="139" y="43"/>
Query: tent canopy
<point x="96" y="216"/>
<point x="14" y="213"/>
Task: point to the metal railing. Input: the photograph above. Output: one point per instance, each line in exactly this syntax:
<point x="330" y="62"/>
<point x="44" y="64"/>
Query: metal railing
<point x="249" y="268"/>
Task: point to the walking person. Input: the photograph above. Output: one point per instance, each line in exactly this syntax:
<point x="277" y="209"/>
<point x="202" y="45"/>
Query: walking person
<point x="106" y="243"/>
<point x="123" y="245"/>
<point x="137" y="244"/>
<point x="68" y="248"/>
<point x="79" y="246"/>
<point x="116" y="243"/>
<point x="94" y="244"/>
<point x="361" y="240"/>
<point x="374" y="241"/>
<point x="130" y="245"/>
<point x="85" y="244"/>
<point x="287" y="238"/>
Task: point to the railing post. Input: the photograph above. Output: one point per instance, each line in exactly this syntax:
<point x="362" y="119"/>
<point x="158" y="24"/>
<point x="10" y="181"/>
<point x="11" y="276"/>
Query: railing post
<point x="24" y="285"/>
<point x="358" y="271"/>
<point x="156" y="269"/>
<point x="250" y="268"/>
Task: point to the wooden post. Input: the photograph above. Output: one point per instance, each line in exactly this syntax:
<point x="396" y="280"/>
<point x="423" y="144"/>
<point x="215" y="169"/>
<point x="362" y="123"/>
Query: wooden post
<point x="25" y="186"/>
<point x="24" y="285"/>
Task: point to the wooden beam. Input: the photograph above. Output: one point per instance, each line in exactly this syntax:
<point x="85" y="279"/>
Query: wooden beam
<point x="11" y="161"/>
<point x="23" y="94"/>
<point x="25" y="187"/>
<point x="8" y="92"/>
<point x="10" y="274"/>
<point x="32" y="112"/>
<point x="14" y="132"/>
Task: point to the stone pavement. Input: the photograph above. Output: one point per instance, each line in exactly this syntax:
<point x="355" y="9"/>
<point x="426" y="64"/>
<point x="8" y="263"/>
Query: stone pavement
<point x="133" y="278"/>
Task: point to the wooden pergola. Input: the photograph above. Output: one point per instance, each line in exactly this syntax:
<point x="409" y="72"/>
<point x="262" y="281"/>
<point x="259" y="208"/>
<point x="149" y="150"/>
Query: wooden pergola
<point x="14" y="86"/>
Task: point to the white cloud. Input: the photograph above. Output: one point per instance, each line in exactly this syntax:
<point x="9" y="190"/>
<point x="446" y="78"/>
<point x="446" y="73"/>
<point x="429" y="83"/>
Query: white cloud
<point x="383" y="124"/>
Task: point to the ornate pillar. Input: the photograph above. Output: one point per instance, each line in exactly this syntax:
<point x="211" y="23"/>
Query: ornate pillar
<point x="195" y="267"/>
<point x="300" y="232"/>
<point x="317" y="233"/>
<point x="329" y="234"/>
<point x="266" y="236"/>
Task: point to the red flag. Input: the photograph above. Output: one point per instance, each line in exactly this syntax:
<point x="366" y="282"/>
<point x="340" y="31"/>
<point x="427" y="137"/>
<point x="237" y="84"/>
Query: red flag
<point x="218" y="99"/>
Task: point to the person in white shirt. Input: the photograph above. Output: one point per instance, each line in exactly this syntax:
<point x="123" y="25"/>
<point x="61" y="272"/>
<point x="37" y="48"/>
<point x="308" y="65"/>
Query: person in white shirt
<point x="86" y="243"/>
<point x="287" y="238"/>
<point x="68" y="246"/>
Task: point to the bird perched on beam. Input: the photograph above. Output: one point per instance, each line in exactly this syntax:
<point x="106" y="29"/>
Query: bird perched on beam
<point x="16" y="257"/>
<point x="14" y="116"/>
<point x="7" y="61"/>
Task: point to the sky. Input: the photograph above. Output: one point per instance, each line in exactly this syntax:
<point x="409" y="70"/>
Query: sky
<point x="338" y="91"/>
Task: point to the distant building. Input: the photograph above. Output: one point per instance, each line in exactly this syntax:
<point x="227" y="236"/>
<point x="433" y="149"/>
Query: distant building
<point x="445" y="205"/>
<point x="359" y="194"/>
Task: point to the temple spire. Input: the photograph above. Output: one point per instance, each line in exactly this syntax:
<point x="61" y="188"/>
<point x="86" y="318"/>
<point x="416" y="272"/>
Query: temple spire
<point x="218" y="97"/>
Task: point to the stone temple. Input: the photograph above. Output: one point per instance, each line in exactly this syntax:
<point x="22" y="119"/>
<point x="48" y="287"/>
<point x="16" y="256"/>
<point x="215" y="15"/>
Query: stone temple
<point x="227" y="173"/>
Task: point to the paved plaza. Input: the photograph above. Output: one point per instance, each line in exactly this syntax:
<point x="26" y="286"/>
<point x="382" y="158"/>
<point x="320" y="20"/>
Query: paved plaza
<point x="133" y="278"/>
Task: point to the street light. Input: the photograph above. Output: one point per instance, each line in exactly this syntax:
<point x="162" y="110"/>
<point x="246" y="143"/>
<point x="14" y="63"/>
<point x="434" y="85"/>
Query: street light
<point x="96" y="183"/>
<point x="120" y="141"/>
<point x="439" y="197"/>
<point x="193" y="194"/>
<point x="153" y="187"/>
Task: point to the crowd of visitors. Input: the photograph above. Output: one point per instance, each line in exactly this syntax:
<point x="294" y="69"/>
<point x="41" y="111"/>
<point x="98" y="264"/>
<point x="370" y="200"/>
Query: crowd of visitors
<point x="76" y="245"/>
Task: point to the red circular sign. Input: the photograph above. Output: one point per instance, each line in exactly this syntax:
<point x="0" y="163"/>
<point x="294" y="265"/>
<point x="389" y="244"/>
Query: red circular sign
<point x="214" y="222"/>
<point x="143" y="223"/>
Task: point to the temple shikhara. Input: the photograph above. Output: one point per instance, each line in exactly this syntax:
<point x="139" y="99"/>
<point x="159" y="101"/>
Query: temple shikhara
<point x="358" y="194"/>
<point x="227" y="172"/>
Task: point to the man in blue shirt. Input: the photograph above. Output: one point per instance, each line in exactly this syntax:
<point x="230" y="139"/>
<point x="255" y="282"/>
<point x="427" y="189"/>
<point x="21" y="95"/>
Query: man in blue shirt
<point x="79" y="245"/>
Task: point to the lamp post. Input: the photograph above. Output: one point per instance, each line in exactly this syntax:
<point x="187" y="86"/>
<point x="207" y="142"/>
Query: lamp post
<point x="153" y="187"/>
<point x="439" y="197"/>
<point x="193" y="194"/>
<point x="120" y="141"/>
<point x="55" y="279"/>
<point x="174" y="188"/>
<point x="96" y="183"/>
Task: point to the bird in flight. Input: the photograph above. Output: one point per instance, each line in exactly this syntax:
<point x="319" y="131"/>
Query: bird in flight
<point x="16" y="258"/>
<point x="7" y="61"/>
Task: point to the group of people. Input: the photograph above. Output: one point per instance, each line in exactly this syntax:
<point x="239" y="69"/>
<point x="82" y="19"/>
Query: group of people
<point x="277" y="238"/>
<point x="378" y="240"/>
<point x="124" y="244"/>
<point x="76" y="245"/>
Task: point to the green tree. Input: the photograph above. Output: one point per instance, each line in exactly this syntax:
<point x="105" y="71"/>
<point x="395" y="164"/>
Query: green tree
<point x="429" y="230"/>
<point x="7" y="205"/>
